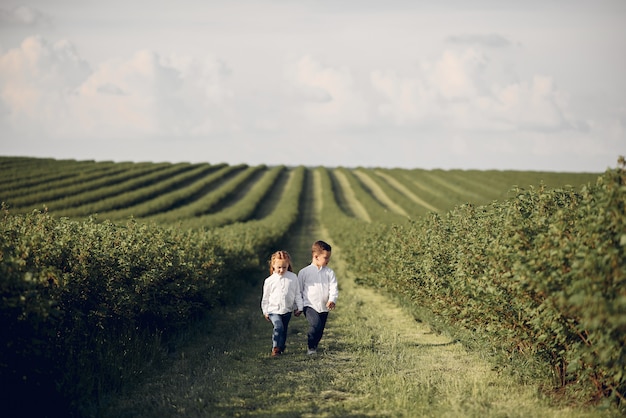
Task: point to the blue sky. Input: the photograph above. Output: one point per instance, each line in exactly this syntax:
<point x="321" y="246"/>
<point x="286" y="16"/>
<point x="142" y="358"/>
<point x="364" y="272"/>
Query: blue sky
<point x="530" y="85"/>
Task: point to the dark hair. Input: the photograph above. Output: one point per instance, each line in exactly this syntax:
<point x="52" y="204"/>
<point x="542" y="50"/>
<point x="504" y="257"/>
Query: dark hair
<point x="319" y="246"/>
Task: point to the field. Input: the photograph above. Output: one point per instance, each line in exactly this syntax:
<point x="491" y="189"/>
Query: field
<point x="110" y="269"/>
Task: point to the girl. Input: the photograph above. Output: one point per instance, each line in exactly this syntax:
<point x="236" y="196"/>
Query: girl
<point x="281" y="295"/>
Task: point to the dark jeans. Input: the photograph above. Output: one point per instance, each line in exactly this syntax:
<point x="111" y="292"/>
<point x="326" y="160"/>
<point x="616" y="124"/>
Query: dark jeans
<point x="279" y="336"/>
<point x="317" y="322"/>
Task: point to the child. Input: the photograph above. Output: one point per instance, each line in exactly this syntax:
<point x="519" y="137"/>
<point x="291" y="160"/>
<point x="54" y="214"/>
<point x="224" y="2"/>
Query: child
<point x="281" y="295"/>
<point x="319" y="292"/>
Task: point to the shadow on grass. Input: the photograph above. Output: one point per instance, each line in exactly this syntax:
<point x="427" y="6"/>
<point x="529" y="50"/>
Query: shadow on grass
<point x="427" y="345"/>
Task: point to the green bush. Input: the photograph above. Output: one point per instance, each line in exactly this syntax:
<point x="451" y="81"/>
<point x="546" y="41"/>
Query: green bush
<point x="81" y="301"/>
<point x="542" y="274"/>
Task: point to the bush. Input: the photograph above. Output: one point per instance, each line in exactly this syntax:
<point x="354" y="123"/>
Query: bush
<point x="86" y="304"/>
<point x="542" y="274"/>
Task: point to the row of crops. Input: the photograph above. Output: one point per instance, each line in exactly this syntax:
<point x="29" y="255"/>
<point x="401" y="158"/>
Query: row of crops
<point x="101" y="263"/>
<point x="87" y="302"/>
<point x="170" y="193"/>
<point x="541" y="274"/>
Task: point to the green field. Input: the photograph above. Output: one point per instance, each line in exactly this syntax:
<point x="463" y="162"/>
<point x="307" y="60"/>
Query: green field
<point x="198" y="193"/>
<point x="110" y="270"/>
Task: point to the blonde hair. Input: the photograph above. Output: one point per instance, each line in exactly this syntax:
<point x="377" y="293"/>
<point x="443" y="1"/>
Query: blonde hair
<point x="280" y="255"/>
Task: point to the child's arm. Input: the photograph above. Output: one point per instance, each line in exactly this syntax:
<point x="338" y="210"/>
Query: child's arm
<point x="301" y="275"/>
<point x="333" y="291"/>
<point x="300" y="292"/>
<point x="265" y="300"/>
<point x="298" y="300"/>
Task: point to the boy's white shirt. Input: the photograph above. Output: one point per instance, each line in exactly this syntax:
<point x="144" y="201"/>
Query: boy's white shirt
<point x="318" y="286"/>
<point x="281" y="294"/>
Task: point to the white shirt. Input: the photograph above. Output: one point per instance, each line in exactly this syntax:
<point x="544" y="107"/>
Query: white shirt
<point x="281" y="294"/>
<point x="318" y="286"/>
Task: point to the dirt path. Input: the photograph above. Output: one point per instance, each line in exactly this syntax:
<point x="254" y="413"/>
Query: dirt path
<point x="374" y="360"/>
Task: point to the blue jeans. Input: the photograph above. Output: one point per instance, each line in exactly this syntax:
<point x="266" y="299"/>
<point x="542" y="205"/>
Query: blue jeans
<point x="317" y="323"/>
<point x="279" y="336"/>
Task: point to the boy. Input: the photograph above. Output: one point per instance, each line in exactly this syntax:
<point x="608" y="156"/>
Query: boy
<point x="319" y="292"/>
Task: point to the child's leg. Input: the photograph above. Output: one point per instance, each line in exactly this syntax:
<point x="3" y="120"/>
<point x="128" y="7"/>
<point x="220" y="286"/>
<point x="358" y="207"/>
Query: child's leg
<point x="317" y="322"/>
<point x="283" y="340"/>
<point x="277" y="334"/>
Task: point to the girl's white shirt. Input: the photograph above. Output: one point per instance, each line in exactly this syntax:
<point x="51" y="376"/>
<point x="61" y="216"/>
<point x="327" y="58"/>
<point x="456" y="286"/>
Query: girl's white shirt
<point x="318" y="286"/>
<point x="281" y="294"/>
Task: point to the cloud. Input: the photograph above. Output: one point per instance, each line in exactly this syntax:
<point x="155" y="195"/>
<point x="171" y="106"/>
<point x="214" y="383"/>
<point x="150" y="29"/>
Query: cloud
<point x="492" y="40"/>
<point x="23" y="16"/>
<point x="439" y="108"/>
<point x="151" y="95"/>
<point x="326" y="96"/>
<point x="534" y="105"/>
<point x="464" y="90"/>
<point x="108" y="88"/>
<point x="37" y="80"/>
<point x="49" y="88"/>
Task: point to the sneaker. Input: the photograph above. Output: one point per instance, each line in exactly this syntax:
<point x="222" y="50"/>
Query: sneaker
<point x="275" y="352"/>
<point x="311" y="351"/>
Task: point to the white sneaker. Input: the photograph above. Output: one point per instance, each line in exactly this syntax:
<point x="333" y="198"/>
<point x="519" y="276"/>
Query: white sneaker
<point x="311" y="351"/>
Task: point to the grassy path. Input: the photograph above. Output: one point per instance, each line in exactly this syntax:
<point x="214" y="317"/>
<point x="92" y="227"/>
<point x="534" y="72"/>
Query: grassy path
<point x="374" y="360"/>
<point x="379" y="193"/>
<point x="355" y="205"/>
<point x="405" y="191"/>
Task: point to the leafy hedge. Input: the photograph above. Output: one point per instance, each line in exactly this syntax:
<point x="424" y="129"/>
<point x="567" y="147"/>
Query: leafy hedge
<point x="85" y="305"/>
<point x="543" y="273"/>
<point x="81" y="300"/>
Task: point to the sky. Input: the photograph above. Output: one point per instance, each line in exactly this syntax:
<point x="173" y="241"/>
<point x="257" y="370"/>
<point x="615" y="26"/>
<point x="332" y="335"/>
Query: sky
<point x="446" y="84"/>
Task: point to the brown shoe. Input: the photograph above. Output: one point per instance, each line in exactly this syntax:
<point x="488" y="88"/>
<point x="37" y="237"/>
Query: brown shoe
<point x="275" y="352"/>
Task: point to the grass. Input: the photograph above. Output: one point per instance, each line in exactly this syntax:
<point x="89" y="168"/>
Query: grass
<point x="375" y="360"/>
